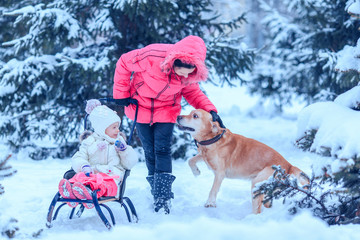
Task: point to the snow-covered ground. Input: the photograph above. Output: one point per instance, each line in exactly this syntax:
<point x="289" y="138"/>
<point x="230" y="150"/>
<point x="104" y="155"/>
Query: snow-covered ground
<point x="29" y="192"/>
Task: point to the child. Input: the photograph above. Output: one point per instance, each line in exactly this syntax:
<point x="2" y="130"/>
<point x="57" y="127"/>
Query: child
<point x="99" y="163"/>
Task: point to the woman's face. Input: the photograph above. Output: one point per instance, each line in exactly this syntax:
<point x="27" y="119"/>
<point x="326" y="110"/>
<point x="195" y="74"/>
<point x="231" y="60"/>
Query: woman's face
<point x="112" y="130"/>
<point x="183" y="72"/>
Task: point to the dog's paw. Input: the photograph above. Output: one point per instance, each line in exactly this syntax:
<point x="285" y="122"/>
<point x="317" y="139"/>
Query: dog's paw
<point x="195" y="171"/>
<point x="210" y="204"/>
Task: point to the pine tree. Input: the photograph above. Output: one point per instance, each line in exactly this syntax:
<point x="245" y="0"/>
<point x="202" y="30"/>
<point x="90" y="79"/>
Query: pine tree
<point x="348" y="58"/>
<point x="49" y="72"/>
<point x="348" y="177"/>
<point x="59" y="53"/>
<point x="299" y="57"/>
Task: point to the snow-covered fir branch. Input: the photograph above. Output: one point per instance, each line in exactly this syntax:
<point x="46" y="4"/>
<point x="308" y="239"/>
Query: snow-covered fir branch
<point x="5" y="169"/>
<point x="327" y="200"/>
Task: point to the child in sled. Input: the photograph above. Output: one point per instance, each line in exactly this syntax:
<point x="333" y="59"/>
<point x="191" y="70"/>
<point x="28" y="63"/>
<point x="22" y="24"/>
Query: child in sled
<point x="102" y="158"/>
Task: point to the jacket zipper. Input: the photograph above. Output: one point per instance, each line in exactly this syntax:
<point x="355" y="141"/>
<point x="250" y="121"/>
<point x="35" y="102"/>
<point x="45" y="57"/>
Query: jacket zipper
<point x="107" y="154"/>
<point x="152" y="104"/>
<point x="152" y="112"/>
<point x="175" y="96"/>
<point x="163" y="90"/>
<point x="157" y="96"/>
<point x="137" y="86"/>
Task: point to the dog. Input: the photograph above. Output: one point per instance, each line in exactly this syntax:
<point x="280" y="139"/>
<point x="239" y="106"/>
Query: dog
<point x="232" y="155"/>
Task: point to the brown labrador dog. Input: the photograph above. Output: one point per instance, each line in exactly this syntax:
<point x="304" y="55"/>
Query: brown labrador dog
<point x="231" y="155"/>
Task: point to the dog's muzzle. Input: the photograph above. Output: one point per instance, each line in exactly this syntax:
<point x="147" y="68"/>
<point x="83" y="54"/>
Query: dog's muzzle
<point x="181" y="127"/>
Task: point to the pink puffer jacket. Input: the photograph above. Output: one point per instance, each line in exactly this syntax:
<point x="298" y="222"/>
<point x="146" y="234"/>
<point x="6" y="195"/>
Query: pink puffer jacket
<point x="100" y="181"/>
<point x="154" y="83"/>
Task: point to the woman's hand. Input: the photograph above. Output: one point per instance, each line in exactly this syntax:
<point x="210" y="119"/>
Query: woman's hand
<point x="126" y="101"/>
<point x="217" y="118"/>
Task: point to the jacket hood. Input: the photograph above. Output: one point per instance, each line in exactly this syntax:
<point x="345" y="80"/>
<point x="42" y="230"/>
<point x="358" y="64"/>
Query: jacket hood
<point x="85" y="135"/>
<point x="190" y="50"/>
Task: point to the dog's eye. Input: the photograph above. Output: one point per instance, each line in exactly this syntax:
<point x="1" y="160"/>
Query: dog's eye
<point x="195" y="116"/>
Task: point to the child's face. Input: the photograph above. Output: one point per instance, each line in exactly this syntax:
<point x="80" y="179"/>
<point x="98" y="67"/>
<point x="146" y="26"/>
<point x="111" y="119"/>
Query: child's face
<point x="112" y="130"/>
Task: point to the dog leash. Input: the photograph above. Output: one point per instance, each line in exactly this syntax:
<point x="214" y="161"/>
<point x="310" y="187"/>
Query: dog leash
<point x="210" y="141"/>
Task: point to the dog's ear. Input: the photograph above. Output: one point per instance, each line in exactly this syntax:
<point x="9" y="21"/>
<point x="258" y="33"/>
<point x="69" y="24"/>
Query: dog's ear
<point x="215" y="128"/>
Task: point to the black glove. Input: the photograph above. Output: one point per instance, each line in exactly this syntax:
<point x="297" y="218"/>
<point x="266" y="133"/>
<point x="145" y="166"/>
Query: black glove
<point x="126" y="101"/>
<point x="216" y="117"/>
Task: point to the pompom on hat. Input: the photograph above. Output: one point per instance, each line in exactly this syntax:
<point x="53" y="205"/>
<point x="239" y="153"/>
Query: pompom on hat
<point x="100" y="116"/>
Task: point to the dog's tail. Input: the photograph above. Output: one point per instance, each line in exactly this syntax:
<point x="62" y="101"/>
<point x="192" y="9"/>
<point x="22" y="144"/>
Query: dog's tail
<point x="300" y="175"/>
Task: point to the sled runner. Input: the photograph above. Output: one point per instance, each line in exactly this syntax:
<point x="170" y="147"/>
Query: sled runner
<point x="99" y="203"/>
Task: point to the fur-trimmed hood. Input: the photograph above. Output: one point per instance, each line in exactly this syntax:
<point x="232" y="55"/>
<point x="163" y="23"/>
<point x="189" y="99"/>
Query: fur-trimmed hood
<point x="190" y="50"/>
<point x="84" y="135"/>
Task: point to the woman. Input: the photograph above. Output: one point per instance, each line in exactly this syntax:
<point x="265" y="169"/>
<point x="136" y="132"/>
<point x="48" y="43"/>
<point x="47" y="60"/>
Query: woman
<point x="158" y="76"/>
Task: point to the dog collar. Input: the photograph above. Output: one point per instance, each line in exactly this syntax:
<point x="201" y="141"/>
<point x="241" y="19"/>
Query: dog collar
<point x="210" y="141"/>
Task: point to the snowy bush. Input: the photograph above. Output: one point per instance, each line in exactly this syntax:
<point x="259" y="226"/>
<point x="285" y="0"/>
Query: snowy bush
<point x="5" y="171"/>
<point x="331" y="128"/>
<point x="8" y="226"/>
<point x="328" y="199"/>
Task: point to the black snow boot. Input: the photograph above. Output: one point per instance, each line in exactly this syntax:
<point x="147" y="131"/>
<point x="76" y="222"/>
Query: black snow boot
<point x="162" y="191"/>
<point x="69" y="174"/>
<point x="150" y="179"/>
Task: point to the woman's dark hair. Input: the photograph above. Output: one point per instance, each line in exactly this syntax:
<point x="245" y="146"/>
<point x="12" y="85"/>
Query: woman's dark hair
<point x="179" y="63"/>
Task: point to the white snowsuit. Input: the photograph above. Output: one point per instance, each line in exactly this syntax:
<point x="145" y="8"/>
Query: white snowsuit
<point x="99" y="152"/>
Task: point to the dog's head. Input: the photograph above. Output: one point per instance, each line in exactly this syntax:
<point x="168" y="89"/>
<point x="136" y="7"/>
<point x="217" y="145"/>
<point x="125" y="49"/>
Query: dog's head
<point x="198" y="123"/>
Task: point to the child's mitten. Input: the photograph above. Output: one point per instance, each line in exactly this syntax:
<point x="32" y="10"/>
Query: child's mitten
<point x="87" y="170"/>
<point x="120" y="144"/>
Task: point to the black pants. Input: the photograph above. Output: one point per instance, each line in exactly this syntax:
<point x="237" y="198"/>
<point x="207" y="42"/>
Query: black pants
<point x="156" y="141"/>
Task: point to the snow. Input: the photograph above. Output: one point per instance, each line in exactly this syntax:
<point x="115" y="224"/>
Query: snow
<point x="29" y="192"/>
<point x="22" y="69"/>
<point x="102" y="22"/>
<point x="23" y="11"/>
<point x="63" y="19"/>
<point x="337" y="125"/>
<point x="348" y="58"/>
<point x="338" y="128"/>
<point x="354" y="7"/>
<point x="5" y="89"/>
<point x="350" y="99"/>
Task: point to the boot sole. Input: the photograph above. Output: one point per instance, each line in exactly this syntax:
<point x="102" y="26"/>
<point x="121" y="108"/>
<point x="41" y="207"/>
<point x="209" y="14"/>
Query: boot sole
<point x="65" y="190"/>
<point x="82" y="193"/>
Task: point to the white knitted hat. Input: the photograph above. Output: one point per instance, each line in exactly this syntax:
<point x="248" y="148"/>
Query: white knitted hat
<point x="101" y="117"/>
